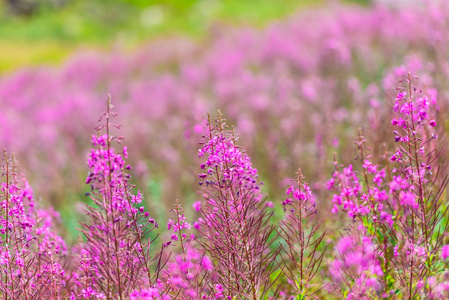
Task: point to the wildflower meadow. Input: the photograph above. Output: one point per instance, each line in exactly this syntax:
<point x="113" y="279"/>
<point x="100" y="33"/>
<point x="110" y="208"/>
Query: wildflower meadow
<point x="304" y="160"/>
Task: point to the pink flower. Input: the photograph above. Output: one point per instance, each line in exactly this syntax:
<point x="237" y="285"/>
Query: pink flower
<point x="206" y="263"/>
<point x="408" y="199"/>
<point x="197" y="205"/>
<point x="396" y="250"/>
<point x="445" y="252"/>
<point x="88" y="292"/>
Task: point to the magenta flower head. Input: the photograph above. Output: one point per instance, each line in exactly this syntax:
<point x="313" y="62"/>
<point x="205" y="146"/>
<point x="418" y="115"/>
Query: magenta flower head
<point x="207" y="264"/>
<point x="88" y="292"/>
<point x="235" y="216"/>
<point x="301" y="236"/>
<point x="357" y="259"/>
<point x="31" y="252"/>
<point x="118" y="245"/>
<point x="445" y="252"/>
<point x="393" y="211"/>
<point x="197" y="206"/>
<point x="188" y="273"/>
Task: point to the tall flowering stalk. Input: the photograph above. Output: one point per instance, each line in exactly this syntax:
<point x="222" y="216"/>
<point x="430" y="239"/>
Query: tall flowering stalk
<point x="419" y="188"/>
<point x="116" y="258"/>
<point x="236" y="229"/>
<point x="304" y="249"/>
<point x="398" y="209"/>
<point x="31" y="253"/>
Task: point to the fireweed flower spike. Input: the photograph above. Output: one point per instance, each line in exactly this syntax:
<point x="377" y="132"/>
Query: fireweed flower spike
<point x="398" y="220"/>
<point x="31" y="253"/>
<point x="116" y="258"/>
<point x="304" y="248"/>
<point x="235" y="227"/>
<point x="418" y="187"/>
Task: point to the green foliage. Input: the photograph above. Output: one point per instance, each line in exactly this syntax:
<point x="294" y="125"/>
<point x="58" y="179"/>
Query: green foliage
<point x="66" y="28"/>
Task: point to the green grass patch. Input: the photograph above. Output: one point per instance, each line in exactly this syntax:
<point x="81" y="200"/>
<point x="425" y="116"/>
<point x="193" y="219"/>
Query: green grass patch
<point x="50" y="35"/>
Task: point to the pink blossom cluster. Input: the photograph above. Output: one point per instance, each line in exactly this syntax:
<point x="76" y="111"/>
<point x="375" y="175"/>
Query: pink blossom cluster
<point x="186" y="271"/>
<point x="359" y="258"/>
<point x="117" y="226"/>
<point x="178" y="226"/>
<point x="395" y="207"/>
<point x="31" y="252"/>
